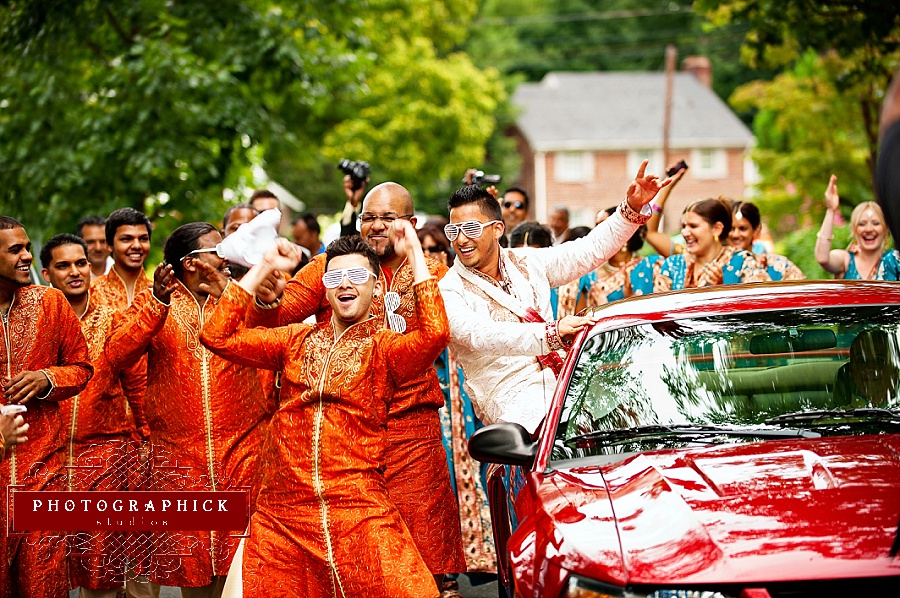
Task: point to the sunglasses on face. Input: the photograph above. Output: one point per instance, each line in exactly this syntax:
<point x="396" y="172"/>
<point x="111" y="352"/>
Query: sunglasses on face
<point x="358" y="275"/>
<point x="514" y="204"/>
<point x="433" y="249"/>
<point x="472" y="229"/>
<point x="196" y="251"/>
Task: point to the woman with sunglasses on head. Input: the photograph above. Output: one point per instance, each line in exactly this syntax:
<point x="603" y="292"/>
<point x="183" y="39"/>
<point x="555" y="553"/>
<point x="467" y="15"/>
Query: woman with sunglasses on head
<point x="867" y="259"/>
<point x="707" y="260"/>
<point x="745" y="229"/>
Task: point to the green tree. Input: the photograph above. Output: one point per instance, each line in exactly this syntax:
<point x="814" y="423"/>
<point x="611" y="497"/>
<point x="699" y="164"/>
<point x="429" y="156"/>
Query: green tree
<point x="864" y="33"/>
<point x="155" y="103"/>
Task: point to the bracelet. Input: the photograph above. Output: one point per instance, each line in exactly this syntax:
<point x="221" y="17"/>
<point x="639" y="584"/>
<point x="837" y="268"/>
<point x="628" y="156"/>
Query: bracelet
<point x="553" y="340"/>
<point x="631" y="216"/>
<point x="272" y="305"/>
<point x="656" y="208"/>
<point x="821" y="238"/>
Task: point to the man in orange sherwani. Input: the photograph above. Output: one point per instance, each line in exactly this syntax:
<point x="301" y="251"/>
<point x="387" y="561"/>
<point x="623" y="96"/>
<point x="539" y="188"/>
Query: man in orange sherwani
<point x="97" y="422"/>
<point x="325" y="525"/>
<point x="416" y="472"/>
<point x="45" y="360"/>
<point x="128" y="235"/>
<point x="205" y="413"/>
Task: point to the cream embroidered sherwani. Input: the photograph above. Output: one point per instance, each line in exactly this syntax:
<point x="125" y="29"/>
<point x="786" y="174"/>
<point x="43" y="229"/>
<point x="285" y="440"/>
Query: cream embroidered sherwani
<point x="489" y="335"/>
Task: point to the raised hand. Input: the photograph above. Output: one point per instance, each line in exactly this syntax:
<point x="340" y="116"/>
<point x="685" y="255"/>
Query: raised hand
<point x="164" y="282"/>
<point x="214" y="281"/>
<point x="270" y="289"/>
<point x="283" y="255"/>
<point x="644" y="188"/>
<point x="404" y="238"/>
<point x="832" y="199"/>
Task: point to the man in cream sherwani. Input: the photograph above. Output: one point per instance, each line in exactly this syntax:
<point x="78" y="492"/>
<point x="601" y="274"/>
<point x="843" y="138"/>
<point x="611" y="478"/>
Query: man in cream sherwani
<point x="502" y="329"/>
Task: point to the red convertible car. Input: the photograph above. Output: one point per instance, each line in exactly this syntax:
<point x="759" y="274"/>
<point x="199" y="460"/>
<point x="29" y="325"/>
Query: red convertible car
<point x="739" y="441"/>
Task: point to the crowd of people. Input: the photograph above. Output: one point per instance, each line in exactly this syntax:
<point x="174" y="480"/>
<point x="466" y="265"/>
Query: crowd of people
<point x="338" y="383"/>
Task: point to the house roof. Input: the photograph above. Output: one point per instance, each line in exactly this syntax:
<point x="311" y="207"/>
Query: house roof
<point x="619" y="110"/>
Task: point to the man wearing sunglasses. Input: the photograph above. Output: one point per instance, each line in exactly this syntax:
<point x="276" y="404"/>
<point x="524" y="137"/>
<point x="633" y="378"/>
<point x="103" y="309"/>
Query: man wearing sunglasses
<point x="502" y="328"/>
<point x="205" y="413"/>
<point x="324" y="513"/>
<point x="415" y="462"/>
<point x="514" y="206"/>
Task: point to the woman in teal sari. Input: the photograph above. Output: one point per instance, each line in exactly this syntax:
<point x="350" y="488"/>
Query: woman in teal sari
<point x="707" y="259"/>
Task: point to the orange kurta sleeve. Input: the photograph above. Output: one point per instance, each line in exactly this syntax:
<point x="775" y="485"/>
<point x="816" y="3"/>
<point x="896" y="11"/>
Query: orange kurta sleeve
<point x="303" y="296"/>
<point x="139" y="324"/>
<point x="226" y="334"/>
<point x="73" y="369"/>
<point x="411" y="354"/>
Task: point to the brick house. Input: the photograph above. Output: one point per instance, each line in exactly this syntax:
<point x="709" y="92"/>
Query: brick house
<point x="582" y="137"/>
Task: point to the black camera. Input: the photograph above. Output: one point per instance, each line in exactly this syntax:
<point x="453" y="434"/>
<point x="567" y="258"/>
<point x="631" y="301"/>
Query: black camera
<point x="357" y="169"/>
<point x="682" y="165"/>
<point x="479" y="178"/>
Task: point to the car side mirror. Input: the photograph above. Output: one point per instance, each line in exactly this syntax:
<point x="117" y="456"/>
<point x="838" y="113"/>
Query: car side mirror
<point x="504" y="443"/>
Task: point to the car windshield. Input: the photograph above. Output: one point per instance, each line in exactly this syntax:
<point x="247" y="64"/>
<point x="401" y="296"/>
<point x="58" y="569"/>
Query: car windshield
<point x="733" y="378"/>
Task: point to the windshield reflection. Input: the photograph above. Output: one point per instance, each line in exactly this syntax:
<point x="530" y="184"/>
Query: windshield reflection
<point x="734" y="370"/>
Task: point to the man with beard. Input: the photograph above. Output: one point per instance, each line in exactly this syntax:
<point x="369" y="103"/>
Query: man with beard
<point x="96" y="420"/>
<point x="128" y="234"/>
<point x="205" y="413"/>
<point x="502" y="328"/>
<point x="46" y="360"/>
<point x="416" y="472"/>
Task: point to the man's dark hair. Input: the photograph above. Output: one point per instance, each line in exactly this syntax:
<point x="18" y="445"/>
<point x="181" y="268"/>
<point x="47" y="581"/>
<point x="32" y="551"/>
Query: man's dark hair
<point x="9" y="223"/>
<point x="91" y="220"/>
<point x="233" y="209"/>
<point x="522" y="191"/>
<point x="125" y="217"/>
<point x="488" y="204"/>
<point x="349" y="245"/>
<point x="58" y="241"/>
<point x="530" y="234"/>
<point x="263" y="194"/>
<point x="310" y="220"/>
<point x="182" y="241"/>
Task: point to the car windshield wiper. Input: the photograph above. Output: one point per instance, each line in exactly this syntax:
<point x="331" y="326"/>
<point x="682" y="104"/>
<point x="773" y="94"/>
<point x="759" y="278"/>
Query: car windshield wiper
<point x="868" y="414"/>
<point x="657" y="431"/>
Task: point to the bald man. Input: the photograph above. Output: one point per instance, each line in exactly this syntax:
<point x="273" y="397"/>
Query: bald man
<point x="416" y="472"/>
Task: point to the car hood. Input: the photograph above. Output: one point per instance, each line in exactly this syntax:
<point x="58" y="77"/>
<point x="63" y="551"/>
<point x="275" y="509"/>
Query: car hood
<point x="767" y="511"/>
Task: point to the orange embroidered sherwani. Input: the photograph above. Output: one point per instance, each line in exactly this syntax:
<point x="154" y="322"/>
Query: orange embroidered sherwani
<point x="109" y="289"/>
<point x="416" y="471"/>
<point x="205" y="413"/>
<point x="325" y="525"/>
<point x="99" y="448"/>
<point x="42" y="333"/>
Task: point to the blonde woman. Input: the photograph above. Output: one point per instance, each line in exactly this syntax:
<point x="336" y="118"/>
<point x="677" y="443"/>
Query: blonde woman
<point x="870" y="260"/>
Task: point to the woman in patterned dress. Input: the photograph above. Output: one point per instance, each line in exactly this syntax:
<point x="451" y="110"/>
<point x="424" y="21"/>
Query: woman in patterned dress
<point x="707" y="260"/>
<point x="870" y="260"/>
<point x="745" y="228"/>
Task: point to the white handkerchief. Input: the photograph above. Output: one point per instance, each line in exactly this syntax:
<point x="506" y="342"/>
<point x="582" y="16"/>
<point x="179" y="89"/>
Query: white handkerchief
<point x="248" y="244"/>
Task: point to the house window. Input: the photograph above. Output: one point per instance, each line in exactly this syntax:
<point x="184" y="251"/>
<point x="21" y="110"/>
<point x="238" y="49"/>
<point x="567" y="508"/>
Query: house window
<point x="574" y="167"/>
<point x="708" y="163"/>
<point x="654" y="157"/>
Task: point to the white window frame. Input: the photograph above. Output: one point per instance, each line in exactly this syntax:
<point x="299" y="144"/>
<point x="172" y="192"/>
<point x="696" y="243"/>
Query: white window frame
<point x="573" y="167"/>
<point x="655" y="165"/>
<point x="709" y="163"/>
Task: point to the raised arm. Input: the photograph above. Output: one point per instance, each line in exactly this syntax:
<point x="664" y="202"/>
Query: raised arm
<point x="835" y="261"/>
<point x="291" y="303"/>
<point x="410" y="354"/>
<point x="661" y="241"/>
<point x="226" y="335"/>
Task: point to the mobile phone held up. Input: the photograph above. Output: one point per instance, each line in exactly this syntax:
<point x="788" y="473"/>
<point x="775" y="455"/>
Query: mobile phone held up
<point x="682" y="165"/>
